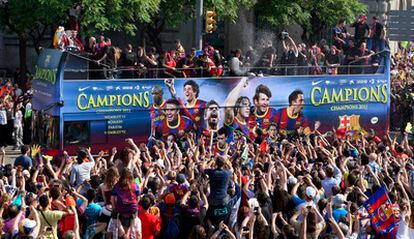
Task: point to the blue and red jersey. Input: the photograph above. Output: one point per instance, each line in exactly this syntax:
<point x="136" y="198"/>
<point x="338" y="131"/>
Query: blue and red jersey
<point x="183" y="126"/>
<point x="195" y="112"/>
<point x="289" y="123"/>
<point x="263" y="121"/>
<point x="156" y="114"/>
<point x="222" y="151"/>
<point x="243" y="128"/>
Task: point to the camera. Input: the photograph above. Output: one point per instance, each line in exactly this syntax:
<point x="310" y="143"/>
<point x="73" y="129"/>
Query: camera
<point x="284" y="35"/>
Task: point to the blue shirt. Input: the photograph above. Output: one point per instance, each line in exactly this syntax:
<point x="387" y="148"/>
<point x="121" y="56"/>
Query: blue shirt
<point x="92" y="212"/>
<point x="219" y="180"/>
<point x="24" y="161"/>
<point x="338" y="213"/>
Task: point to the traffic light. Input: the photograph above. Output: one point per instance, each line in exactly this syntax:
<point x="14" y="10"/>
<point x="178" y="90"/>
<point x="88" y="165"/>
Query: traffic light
<point x="210" y="21"/>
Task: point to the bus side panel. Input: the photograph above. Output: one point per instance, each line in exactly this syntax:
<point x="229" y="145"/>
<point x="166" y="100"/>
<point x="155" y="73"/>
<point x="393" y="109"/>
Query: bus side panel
<point x="356" y="103"/>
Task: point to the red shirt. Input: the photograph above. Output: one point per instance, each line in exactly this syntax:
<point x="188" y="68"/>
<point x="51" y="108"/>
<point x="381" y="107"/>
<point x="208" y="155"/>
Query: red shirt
<point x="150" y="224"/>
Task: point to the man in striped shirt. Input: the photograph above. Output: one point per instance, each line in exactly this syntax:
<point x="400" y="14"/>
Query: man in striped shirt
<point x="291" y="118"/>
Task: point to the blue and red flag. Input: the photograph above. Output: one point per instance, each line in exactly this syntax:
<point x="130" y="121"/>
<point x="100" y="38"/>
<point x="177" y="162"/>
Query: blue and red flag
<point x="381" y="211"/>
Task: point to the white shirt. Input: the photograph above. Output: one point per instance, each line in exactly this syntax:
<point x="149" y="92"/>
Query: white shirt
<point x="18" y="118"/>
<point x="3" y="117"/>
<point x="404" y="231"/>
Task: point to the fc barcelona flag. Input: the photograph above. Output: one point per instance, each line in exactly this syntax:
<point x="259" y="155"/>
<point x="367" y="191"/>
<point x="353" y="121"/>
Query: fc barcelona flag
<point x="381" y="211"/>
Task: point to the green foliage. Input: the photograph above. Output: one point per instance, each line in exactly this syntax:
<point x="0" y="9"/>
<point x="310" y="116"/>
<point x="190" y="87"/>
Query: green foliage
<point x="178" y="11"/>
<point x="228" y="8"/>
<point x="279" y="13"/>
<point x="122" y="15"/>
<point x="21" y="17"/>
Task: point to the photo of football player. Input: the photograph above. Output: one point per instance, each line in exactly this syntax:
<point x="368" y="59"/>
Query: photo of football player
<point x="290" y="119"/>
<point x="261" y="114"/>
<point x="194" y="107"/>
<point x="156" y="109"/>
<point x="237" y="111"/>
<point x="173" y="123"/>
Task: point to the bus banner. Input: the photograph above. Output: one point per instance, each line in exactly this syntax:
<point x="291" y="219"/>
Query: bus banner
<point x="121" y="108"/>
<point x="46" y="79"/>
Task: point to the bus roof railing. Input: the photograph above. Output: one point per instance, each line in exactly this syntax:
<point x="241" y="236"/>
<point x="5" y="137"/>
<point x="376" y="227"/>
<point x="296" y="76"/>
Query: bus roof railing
<point x="278" y="70"/>
<point x="97" y="70"/>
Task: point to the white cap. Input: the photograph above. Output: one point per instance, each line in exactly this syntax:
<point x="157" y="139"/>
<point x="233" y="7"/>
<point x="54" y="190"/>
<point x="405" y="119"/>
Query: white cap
<point x="338" y="200"/>
<point x="26" y="173"/>
<point x="292" y="180"/>
<point x="310" y="192"/>
<point x="253" y="203"/>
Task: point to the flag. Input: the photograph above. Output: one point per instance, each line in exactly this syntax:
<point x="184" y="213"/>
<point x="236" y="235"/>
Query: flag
<point x="381" y="212"/>
<point x="264" y="147"/>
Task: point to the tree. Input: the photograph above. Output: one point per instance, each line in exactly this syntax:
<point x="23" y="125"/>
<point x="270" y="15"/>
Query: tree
<point x="312" y="15"/>
<point x="173" y="13"/>
<point x="30" y="19"/>
<point x="118" y="15"/>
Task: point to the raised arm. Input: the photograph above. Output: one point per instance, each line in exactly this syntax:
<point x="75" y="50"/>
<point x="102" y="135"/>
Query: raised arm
<point x="170" y="85"/>
<point x="230" y="102"/>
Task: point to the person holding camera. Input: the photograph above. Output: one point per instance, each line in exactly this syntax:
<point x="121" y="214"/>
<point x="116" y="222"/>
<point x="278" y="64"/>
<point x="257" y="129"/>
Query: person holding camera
<point x="290" y="54"/>
<point x="312" y="225"/>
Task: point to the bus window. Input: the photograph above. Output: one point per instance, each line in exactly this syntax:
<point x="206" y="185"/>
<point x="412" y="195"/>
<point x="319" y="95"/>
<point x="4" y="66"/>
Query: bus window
<point x="76" y="132"/>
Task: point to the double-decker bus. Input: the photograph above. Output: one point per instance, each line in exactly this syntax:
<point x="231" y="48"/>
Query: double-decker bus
<point x="70" y="110"/>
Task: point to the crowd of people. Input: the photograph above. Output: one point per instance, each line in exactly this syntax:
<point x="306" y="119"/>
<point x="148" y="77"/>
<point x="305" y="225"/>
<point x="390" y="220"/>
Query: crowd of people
<point x="234" y="181"/>
<point x="402" y="86"/>
<point x="344" y="54"/>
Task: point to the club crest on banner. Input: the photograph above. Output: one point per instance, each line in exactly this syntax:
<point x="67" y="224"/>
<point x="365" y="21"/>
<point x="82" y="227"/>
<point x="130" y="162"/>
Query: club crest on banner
<point x="350" y="123"/>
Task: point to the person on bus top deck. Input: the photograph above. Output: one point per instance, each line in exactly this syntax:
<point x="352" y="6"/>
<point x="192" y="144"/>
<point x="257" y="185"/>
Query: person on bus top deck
<point x="173" y="123"/>
<point x="290" y="118"/>
<point x="237" y="111"/>
<point x="261" y="114"/>
<point x="194" y="108"/>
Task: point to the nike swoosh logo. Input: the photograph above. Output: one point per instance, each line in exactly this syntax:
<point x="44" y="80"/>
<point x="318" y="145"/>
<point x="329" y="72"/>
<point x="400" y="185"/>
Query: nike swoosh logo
<point x="83" y="88"/>
<point x="316" y="82"/>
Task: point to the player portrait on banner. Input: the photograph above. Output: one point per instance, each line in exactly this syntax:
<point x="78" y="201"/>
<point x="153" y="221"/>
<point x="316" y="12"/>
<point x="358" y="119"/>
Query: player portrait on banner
<point x="290" y="119"/>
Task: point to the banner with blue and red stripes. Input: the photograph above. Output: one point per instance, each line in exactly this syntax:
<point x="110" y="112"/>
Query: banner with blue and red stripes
<point x="381" y="211"/>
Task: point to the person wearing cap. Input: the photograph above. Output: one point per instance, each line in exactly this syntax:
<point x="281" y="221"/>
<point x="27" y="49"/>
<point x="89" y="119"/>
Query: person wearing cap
<point x="308" y="199"/>
<point x="30" y="228"/>
<point x="168" y="211"/>
<point x="338" y="203"/>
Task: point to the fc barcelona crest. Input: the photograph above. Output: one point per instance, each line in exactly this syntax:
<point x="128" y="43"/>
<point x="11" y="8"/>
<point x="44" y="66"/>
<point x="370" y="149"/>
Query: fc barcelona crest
<point x="349" y="122"/>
